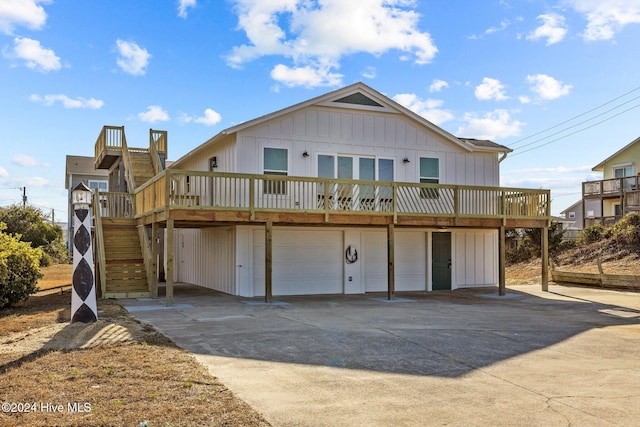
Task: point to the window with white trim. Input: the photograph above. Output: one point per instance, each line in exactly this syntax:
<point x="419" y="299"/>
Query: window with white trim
<point x="99" y="184"/>
<point x="276" y="162"/>
<point x="572" y="215"/>
<point x="623" y="171"/>
<point x="429" y="174"/>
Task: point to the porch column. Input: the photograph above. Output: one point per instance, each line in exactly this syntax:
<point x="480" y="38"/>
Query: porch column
<point x="170" y="260"/>
<point x="154" y="261"/>
<point x="391" y="262"/>
<point x="268" y="260"/>
<point x="545" y="258"/>
<point x="502" y="261"/>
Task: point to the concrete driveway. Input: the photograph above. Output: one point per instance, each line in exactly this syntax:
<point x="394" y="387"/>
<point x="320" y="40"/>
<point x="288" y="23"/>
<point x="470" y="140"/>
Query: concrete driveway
<point x="468" y="357"/>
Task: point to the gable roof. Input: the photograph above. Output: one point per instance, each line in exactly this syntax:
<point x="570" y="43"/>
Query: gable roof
<point x="572" y="207"/>
<point x="600" y="166"/>
<point x="365" y="98"/>
<point x="82" y="165"/>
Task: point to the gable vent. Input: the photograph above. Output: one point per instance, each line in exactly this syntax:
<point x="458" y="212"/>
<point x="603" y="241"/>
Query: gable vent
<point x="358" y="98"/>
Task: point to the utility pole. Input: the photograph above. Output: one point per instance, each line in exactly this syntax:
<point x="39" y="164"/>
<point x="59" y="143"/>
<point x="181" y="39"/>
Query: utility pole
<point x="24" y="197"/>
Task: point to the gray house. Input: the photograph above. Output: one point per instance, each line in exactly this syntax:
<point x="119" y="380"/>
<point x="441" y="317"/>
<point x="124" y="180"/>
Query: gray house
<point x="80" y="169"/>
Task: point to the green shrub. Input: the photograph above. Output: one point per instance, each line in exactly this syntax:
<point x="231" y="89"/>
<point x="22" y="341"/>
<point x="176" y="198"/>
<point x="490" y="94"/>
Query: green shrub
<point x="592" y="234"/>
<point x="627" y="230"/>
<point x="19" y="269"/>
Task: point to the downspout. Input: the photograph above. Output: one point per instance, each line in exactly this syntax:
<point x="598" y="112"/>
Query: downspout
<point x="504" y="156"/>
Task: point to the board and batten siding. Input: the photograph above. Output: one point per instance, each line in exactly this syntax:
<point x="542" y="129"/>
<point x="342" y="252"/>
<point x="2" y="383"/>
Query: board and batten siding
<point x="206" y="257"/>
<point x="322" y="130"/>
<point x="224" y="151"/>
<point x="475" y="258"/>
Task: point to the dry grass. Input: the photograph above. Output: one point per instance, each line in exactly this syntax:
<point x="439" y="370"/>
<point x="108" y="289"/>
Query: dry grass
<point x="528" y="273"/>
<point x="55" y="276"/>
<point x="121" y="372"/>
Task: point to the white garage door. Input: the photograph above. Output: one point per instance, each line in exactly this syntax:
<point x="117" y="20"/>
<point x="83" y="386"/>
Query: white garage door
<point x="304" y="262"/>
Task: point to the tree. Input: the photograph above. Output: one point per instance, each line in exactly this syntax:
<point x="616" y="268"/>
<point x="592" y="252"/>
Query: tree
<point x="531" y="246"/>
<point x="32" y="226"/>
<point x="19" y="269"/>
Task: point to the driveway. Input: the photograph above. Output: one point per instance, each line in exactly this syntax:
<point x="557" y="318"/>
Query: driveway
<point x="467" y="357"/>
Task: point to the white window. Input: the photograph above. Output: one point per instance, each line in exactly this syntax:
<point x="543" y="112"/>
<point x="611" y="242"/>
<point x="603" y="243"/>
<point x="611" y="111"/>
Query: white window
<point x="623" y="171"/>
<point x="102" y="186"/>
<point x="572" y="215"/>
<point x="429" y="174"/>
<point x="276" y="162"/>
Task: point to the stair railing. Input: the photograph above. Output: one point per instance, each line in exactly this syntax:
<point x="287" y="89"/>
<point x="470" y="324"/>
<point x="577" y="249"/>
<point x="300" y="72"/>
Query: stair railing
<point x="157" y="145"/>
<point x="99" y="246"/>
<point x="131" y="183"/>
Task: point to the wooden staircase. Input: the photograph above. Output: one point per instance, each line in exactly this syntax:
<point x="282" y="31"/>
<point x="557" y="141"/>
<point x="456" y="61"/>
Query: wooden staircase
<point x="126" y="275"/>
<point x="141" y="165"/>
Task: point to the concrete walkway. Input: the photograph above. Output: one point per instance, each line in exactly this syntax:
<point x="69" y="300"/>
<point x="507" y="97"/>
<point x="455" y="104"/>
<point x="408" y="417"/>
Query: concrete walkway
<point x="468" y="357"/>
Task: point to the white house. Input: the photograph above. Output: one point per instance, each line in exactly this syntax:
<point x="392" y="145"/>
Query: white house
<point x="380" y="196"/>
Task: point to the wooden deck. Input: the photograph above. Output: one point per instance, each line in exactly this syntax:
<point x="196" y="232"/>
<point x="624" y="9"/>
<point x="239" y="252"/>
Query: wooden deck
<point x="193" y="199"/>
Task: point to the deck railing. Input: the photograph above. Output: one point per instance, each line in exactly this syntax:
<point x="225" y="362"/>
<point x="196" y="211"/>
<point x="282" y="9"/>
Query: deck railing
<point x="611" y="187"/>
<point x="253" y="193"/>
<point x="110" y="138"/>
<point x="114" y="205"/>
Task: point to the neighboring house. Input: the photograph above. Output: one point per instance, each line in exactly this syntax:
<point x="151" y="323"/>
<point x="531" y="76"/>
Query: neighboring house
<point x="80" y="169"/>
<point x="608" y="200"/>
<point x="572" y="220"/>
<point x="348" y="192"/>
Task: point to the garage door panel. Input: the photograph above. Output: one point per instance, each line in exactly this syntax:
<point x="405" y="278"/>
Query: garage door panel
<point x="304" y="262"/>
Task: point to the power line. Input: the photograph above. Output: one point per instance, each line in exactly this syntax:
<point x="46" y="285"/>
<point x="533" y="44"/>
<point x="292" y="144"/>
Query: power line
<point x="579" y="115"/>
<point x="581" y="123"/>
<point x="573" y="133"/>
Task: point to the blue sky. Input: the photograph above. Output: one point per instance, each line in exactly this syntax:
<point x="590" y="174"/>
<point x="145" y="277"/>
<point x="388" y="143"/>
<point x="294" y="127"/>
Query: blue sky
<point x="555" y="80"/>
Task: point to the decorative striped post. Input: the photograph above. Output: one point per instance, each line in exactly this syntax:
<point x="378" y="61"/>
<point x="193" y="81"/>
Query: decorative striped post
<point x="83" y="295"/>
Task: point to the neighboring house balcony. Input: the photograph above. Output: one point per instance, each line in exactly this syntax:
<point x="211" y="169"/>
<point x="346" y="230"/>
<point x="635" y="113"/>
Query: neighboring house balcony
<point x="192" y="199"/>
<point x="616" y="197"/>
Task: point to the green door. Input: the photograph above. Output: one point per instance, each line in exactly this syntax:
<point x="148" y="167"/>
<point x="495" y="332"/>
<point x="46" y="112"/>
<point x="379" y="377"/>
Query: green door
<point x="441" y="261"/>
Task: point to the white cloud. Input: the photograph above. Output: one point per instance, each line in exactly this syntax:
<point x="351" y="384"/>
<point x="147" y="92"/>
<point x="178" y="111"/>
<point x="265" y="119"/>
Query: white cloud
<point x="3" y="172"/>
<point x="524" y="99"/>
<point x="437" y="85"/>
<point x="133" y="59"/>
<point x="210" y="118"/>
<point x="553" y="28"/>
<point x="183" y="5"/>
<point x="606" y="18"/>
<point x="34" y="55"/>
<point x="493" y="125"/>
<point x="26" y="13"/>
<point x="369" y="73"/>
<point x="308" y="76"/>
<point x="316" y="35"/>
<point x="48" y="100"/>
<point x="429" y="108"/>
<point x="546" y="87"/>
<point x="490" y="89"/>
<point x="154" y="113"/>
<point x="26" y="161"/>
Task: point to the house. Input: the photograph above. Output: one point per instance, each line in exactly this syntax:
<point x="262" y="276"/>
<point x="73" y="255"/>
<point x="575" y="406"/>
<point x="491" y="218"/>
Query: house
<point x="80" y="169"/>
<point x="618" y="193"/>
<point x="572" y="220"/>
<point x="348" y="192"/>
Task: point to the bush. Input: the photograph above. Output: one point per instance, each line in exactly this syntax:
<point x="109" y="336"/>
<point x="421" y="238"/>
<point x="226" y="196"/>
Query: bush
<point x="19" y="269"/>
<point x="30" y="225"/>
<point x="627" y="230"/>
<point x="592" y="234"/>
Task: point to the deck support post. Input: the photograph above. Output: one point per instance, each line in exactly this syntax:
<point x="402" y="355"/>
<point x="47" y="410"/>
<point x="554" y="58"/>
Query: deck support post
<point x="154" y="261"/>
<point x="545" y="258"/>
<point x="268" y="260"/>
<point x="502" y="260"/>
<point x="170" y="262"/>
<point x="391" y="261"/>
